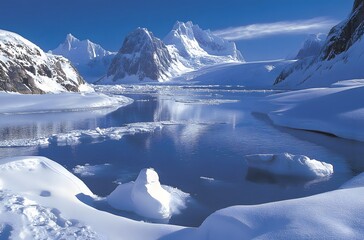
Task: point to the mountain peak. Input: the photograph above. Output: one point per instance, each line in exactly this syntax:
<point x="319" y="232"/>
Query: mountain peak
<point x="79" y="52"/>
<point x="312" y="46"/>
<point x="204" y="47"/>
<point x="70" y="38"/>
<point x="141" y="55"/>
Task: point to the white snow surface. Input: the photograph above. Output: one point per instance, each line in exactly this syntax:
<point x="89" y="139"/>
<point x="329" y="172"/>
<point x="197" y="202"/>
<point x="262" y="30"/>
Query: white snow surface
<point x="332" y="215"/>
<point x="290" y="165"/>
<point x="90" y="59"/>
<point x="252" y="75"/>
<point x="146" y="197"/>
<point x="22" y="103"/>
<point x="338" y="110"/>
<point x="80" y="52"/>
<point x="46" y="202"/>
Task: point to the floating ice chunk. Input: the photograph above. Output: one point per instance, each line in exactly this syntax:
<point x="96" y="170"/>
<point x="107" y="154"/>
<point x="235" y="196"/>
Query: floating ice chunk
<point x="290" y="165"/>
<point x="90" y="170"/>
<point x="147" y="197"/>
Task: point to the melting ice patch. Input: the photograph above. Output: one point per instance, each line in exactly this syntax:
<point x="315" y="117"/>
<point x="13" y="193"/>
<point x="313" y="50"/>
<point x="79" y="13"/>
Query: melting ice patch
<point x="290" y="165"/>
<point x="206" y="101"/>
<point x="147" y="197"/>
<point x="96" y="135"/>
<point x="91" y="170"/>
<point x="77" y="136"/>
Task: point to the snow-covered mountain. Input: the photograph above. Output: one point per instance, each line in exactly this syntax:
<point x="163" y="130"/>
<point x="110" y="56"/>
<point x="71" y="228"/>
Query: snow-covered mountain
<point x="185" y="48"/>
<point x="143" y="57"/>
<point x="196" y="47"/>
<point x="341" y="57"/>
<point x="25" y="68"/>
<point x="91" y="60"/>
<point x="312" y="46"/>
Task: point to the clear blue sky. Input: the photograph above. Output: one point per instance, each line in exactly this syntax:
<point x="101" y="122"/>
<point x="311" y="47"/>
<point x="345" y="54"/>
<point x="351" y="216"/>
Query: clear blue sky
<point x="46" y="22"/>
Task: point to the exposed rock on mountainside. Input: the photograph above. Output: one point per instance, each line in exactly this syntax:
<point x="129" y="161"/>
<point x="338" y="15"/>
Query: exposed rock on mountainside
<point x="25" y="68"/>
<point x="340" y="58"/>
<point x="142" y="56"/>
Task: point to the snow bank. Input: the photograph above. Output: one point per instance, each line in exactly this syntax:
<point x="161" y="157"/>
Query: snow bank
<point x="338" y="110"/>
<point x="331" y="215"/>
<point x="290" y="165"/>
<point x="147" y="197"/>
<point x="22" y="104"/>
<point x="42" y="200"/>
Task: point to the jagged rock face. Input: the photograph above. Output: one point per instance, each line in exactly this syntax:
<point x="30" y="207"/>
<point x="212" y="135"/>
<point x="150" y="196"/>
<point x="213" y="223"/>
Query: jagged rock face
<point x="344" y="35"/>
<point x="340" y="58"/>
<point x="312" y="46"/>
<point x="186" y="48"/>
<point x="25" y="68"/>
<point x="142" y="55"/>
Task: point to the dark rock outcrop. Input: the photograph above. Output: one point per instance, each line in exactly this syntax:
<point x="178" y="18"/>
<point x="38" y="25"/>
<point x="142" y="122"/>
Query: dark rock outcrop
<point x="25" y="68"/>
<point x="142" y="55"/>
<point x="339" y="59"/>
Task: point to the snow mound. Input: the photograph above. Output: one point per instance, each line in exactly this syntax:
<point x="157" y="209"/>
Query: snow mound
<point x="331" y="215"/>
<point x="147" y="197"/>
<point x="40" y="199"/>
<point x="290" y="165"/>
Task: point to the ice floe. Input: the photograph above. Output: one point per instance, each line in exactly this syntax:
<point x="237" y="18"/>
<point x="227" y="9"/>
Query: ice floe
<point x="147" y="197"/>
<point x="290" y="165"/>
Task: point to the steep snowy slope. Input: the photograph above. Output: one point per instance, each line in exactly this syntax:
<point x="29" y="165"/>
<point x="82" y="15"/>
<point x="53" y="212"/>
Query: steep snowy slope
<point x="197" y="47"/>
<point x="143" y="57"/>
<point x="79" y="52"/>
<point x="251" y="75"/>
<point x="341" y="57"/>
<point x="25" y="68"/>
<point x="312" y="46"/>
<point x="90" y="59"/>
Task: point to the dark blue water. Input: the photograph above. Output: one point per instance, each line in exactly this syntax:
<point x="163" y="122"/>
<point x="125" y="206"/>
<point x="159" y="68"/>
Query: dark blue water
<point x="204" y="157"/>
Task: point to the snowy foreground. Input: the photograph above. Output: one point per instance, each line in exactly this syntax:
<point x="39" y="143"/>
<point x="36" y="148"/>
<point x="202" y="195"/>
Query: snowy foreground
<point x="21" y="103"/>
<point x="59" y="208"/>
<point x="337" y="110"/>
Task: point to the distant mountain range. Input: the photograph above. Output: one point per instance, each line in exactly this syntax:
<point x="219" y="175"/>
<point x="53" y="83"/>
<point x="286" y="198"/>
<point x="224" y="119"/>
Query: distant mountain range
<point x="145" y="57"/>
<point x="90" y="59"/>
